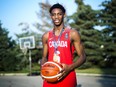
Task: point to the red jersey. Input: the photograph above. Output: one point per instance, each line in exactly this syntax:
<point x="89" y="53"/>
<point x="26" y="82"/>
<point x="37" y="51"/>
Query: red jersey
<point x="64" y="55"/>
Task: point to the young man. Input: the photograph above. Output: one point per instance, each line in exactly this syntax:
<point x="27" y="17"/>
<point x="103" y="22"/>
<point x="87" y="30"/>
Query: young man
<point x="59" y="45"/>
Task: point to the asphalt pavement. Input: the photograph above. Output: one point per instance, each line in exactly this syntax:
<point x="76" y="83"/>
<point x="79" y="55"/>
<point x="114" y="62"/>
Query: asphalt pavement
<point x="83" y="80"/>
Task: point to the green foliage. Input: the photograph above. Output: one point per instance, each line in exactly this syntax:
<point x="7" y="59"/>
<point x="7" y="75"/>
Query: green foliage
<point x="108" y="20"/>
<point x="84" y="20"/>
<point x="8" y="59"/>
<point x="99" y="45"/>
<point x="85" y="65"/>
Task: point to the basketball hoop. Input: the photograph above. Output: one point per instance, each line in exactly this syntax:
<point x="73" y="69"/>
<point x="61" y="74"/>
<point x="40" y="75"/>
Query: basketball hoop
<point x="24" y="50"/>
<point x="27" y="43"/>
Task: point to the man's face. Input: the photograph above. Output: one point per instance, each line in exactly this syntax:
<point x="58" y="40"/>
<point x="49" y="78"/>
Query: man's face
<point x="57" y="16"/>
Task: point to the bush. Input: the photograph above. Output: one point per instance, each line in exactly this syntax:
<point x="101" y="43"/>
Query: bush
<point x="86" y="65"/>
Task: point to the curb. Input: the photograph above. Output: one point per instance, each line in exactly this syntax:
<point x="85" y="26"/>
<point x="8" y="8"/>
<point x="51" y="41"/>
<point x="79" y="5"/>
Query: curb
<point x="13" y="74"/>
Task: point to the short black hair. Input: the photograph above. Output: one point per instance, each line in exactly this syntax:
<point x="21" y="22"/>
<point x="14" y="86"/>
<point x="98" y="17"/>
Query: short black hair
<point x="57" y="5"/>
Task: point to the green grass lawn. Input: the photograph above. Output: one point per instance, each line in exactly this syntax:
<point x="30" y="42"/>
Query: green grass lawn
<point x="97" y="71"/>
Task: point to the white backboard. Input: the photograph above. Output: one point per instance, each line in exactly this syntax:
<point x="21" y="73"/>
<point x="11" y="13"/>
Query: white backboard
<point x="27" y="42"/>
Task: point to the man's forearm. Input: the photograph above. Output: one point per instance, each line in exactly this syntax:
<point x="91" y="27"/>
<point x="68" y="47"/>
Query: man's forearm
<point x="43" y="60"/>
<point x="78" y="63"/>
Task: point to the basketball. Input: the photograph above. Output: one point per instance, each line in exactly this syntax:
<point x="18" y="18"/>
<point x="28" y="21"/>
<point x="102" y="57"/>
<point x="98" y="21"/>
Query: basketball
<point x="50" y="71"/>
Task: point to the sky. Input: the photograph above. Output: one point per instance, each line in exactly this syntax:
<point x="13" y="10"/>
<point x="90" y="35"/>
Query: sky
<point x="13" y="12"/>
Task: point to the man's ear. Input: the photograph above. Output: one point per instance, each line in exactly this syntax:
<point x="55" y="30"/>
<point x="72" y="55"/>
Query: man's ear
<point x="64" y="15"/>
<point x="50" y="14"/>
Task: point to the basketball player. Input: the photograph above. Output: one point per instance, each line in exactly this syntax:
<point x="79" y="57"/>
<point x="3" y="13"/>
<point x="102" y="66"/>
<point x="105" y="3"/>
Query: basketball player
<point x="59" y="45"/>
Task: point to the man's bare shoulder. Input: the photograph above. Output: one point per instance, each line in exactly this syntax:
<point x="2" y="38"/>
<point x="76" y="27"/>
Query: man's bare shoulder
<point x="74" y="32"/>
<point x="45" y="35"/>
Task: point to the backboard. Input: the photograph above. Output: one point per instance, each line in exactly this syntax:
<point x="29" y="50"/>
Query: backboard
<point x="27" y="42"/>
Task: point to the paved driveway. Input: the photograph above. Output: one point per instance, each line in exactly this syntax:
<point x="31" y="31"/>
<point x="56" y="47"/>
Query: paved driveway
<point x="36" y="81"/>
<point x="20" y="81"/>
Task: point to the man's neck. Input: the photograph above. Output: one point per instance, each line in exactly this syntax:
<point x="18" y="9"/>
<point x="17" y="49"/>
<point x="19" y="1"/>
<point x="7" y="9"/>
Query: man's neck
<point x="58" y="29"/>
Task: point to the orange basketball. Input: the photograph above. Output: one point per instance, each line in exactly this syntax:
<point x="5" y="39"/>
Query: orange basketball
<point x="50" y="71"/>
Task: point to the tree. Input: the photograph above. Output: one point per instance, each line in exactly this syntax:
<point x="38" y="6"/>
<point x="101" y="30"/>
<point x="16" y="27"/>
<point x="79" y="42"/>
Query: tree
<point x="84" y="20"/>
<point x="108" y="20"/>
<point x="8" y="59"/>
<point x="45" y="20"/>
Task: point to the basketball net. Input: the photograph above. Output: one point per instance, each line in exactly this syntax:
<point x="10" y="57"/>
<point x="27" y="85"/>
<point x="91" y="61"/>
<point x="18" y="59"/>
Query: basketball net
<point x="24" y="50"/>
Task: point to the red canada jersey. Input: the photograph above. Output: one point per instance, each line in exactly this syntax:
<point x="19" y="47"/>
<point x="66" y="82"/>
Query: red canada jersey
<point x="64" y="49"/>
<point x="65" y="52"/>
